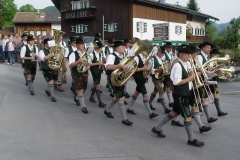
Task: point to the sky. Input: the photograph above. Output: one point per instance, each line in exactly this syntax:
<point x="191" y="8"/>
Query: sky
<point x="221" y="9"/>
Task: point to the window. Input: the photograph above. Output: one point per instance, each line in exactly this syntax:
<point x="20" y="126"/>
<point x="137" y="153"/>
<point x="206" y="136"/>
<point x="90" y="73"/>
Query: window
<point x="202" y="31"/>
<point x="26" y="32"/>
<point x="110" y="27"/>
<point x="81" y="4"/>
<point x="44" y="33"/>
<point x="80" y="28"/>
<point x="141" y="27"/>
<point x="31" y="33"/>
<point x="39" y="33"/>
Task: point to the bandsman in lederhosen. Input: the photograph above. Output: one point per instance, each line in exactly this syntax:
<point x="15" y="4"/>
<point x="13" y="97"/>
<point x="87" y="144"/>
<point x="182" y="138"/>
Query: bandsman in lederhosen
<point x="68" y="50"/>
<point x="80" y="79"/>
<point x="158" y="82"/>
<point x="96" y="70"/>
<point x="112" y="64"/>
<point x="29" y="53"/>
<point x="140" y="88"/>
<point x="50" y="75"/>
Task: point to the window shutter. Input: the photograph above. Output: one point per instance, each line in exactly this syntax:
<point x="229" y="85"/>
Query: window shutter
<point x="73" y="29"/>
<point x="85" y="30"/>
<point x="138" y="27"/>
<point x="115" y="27"/>
<point x="105" y="27"/>
<point x="145" y="27"/>
<point x="180" y="29"/>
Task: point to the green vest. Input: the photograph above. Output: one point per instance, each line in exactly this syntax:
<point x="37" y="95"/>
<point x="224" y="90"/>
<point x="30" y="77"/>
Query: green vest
<point x="156" y="62"/>
<point x="107" y="51"/>
<point x="182" y="90"/>
<point x="166" y="57"/>
<point x="116" y="61"/>
<point x="139" y="75"/>
<point x="203" y="57"/>
<point x="44" y="64"/>
<point x="27" y="54"/>
<point x="95" y="69"/>
<point x="74" y="69"/>
<point x="70" y="50"/>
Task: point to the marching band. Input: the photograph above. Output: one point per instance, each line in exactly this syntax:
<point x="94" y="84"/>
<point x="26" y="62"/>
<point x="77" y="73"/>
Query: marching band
<point x="182" y="77"/>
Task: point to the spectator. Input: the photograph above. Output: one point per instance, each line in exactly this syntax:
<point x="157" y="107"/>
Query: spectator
<point x="1" y="50"/>
<point x="10" y="45"/>
<point x="5" y="40"/>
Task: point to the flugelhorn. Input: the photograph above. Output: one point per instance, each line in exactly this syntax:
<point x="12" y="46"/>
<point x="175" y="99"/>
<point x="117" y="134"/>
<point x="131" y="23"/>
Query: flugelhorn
<point x="81" y="68"/>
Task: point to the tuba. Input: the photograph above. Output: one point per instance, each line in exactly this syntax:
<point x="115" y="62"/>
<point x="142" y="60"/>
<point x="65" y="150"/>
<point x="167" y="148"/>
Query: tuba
<point x="83" y="67"/>
<point x="120" y="77"/>
<point x="214" y="63"/>
<point x="226" y="73"/>
<point x="149" y="62"/>
<point x="55" y="62"/>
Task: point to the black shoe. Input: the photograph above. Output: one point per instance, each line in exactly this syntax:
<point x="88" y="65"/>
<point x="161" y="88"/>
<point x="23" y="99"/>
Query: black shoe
<point x="32" y="93"/>
<point x="152" y="108"/>
<point x="127" y="95"/>
<point x="205" y="129"/>
<point x="77" y="102"/>
<point x="72" y="90"/>
<point x="131" y="111"/>
<point x="152" y="115"/>
<point x="167" y="110"/>
<point x="177" y="123"/>
<point x="53" y="99"/>
<point x="107" y="85"/>
<point x="170" y="104"/>
<point x="195" y="143"/>
<point x="159" y="133"/>
<point x="92" y="100"/>
<point x="211" y="120"/>
<point x="26" y="84"/>
<point x="109" y="90"/>
<point x="48" y="93"/>
<point x="111" y="95"/>
<point x="222" y="114"/>
<point x="84" y="110"/>
<point x="127" y="122"/>
<point x="102" y="105"/>
<point x="125" y="103"/>
<point x="158" y="100"/>
<point x="109" y="114"/>
<point x="100" y="91"/>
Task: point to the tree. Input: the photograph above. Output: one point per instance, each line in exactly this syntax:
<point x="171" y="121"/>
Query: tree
<point x="27" y="8"/>
<point x="7" y="11"/>
<point x="193" y="5"/>
<point x="234" y="32"/>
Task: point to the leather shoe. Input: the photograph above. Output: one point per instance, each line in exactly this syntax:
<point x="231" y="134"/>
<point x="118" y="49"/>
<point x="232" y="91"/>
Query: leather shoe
<point x="53" y="99"/>
<point x="170" y="104"/>
<point x="107" y="85"/>
<point x="152" y="115"/>
<point x="125" y="103"/>
<point x="77" y="102"/>
<point x="109" y="114"/>
<point x="127" y="122"/>
<point x="131" y="111"/>
<point x="91" y="99"/>
<point x="159" y="133"/>
<point x="32" y="93"/>
<point x="111" y="95"/>
<point x="84" y="110"/>
<point x="176" y="123"/>
<point x="205" y="129"/>
<point x="222" y="114"/>
<point x="48" y="93"/>
<point x="195" y="143"/>
<point x="127" y="95"/>
<point x="72" y="90"/>
<point x="26" y="84"/>
<point x="109" y="90"/>
<point x="152" y="108"/>
<point x="101" y="104"/>
<point x="211" y="120"/>
<point x="158" y="100"/>
<point x="167" y="110"/>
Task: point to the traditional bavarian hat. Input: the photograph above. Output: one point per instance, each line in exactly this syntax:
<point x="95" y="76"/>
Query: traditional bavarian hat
<point x="30" y="38"/>
<point x="118" y="43"/>
<point x="184" y="48"/>
<point x="206" y="43"/>
<point x="215" y="51"/>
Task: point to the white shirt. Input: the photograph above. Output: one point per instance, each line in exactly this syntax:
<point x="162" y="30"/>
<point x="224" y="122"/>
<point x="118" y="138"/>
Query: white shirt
<point x="41" y="55"/>
<point x="110" y="49"/>
<point x="142" y="58"/>
<point x="67" y="51"/>
<point x="176" y="72"/>
<point x="159" y="61"/>
<point x="23" y="50"/>
<point x="96" y="54"/>
<point x="111" y="58"/>
<point x="4" y="41"/>
<point x="72" y="57"/>
<point x="200" y="58"/>
<point x="131" y="52"/>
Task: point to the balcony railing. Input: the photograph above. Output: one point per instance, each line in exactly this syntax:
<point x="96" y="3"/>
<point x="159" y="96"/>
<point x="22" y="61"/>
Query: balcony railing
<point x="196" y="39"/>
<point x="87" y="13"/>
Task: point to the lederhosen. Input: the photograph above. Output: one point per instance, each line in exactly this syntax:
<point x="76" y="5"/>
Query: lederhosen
<point x="95" y="70"/>
<point x="181" y="97"/>
<point x="31" y="66"/>
<point x="81" y="79"/>
<point x="167" y="79"/>
<point x="139" y="79"/>
<point x="157" y="82"/>
<point x="48" y="74"/>
<point x="118" y="91"/>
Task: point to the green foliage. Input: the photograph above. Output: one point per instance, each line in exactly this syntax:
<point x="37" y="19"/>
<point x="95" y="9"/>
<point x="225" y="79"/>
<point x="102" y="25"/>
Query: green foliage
<point x="27" y="8"/>
<point x="7" y="11"/>
<point x="51" y="9"/>
<point x="193" y="5"/>
<point x="211" y="31"/>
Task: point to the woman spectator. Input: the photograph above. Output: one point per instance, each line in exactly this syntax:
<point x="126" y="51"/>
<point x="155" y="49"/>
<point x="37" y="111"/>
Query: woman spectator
<point x="10" y="45"/>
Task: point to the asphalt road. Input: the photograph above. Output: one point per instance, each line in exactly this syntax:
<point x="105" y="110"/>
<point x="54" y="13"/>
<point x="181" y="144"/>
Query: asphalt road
<point x="34" y="128"/>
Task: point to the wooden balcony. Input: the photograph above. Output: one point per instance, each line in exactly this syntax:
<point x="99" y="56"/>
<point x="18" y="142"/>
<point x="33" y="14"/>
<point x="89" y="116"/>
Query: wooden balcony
<point x="196" y="39"/>
<point x="87" y="13"/>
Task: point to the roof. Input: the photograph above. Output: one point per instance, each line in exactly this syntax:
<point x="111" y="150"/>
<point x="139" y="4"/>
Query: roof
<point x="7" y="31"/>
<point x="177" y="8"/>
<point x="34" y="17"/>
